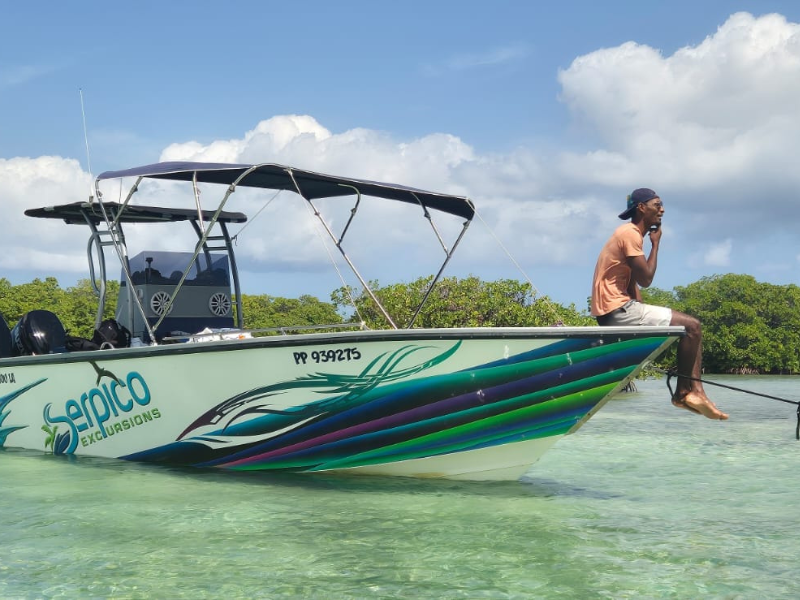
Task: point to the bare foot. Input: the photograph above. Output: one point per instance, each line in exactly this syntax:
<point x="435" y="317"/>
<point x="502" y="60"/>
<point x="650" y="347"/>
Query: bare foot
<point x="699" y="403"/>
<point x="680" y="403"/>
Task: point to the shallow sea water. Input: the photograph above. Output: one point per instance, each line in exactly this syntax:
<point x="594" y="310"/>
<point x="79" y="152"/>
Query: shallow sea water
<point x="645" y="501"/>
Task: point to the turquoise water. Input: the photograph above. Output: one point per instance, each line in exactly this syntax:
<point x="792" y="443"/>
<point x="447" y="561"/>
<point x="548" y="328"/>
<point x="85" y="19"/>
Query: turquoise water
<point x="645" y="501"/>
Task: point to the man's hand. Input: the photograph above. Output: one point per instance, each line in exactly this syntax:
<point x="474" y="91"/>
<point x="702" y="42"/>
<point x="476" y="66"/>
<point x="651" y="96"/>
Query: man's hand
<point x="655" y="236"/>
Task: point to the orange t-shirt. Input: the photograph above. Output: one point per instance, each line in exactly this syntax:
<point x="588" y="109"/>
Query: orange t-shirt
<point x="612" y="275"/>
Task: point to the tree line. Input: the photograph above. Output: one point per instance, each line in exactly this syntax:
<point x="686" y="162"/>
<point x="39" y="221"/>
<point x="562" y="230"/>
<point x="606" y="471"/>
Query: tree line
<point x="748" y="326"/>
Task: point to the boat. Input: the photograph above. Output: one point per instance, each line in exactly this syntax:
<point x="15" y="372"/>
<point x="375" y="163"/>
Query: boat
<point x="195" y="388"/>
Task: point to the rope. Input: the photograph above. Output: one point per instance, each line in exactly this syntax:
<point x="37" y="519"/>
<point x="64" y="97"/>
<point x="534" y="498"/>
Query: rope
<point x="346" y="288"/>
<point x="318" y="230"/>
<point x="673" y="373"/>
<point x="535" y="293"/>
<point x="235" y="238"/>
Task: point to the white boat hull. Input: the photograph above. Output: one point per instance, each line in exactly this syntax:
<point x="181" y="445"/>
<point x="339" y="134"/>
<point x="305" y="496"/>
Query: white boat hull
<point x="481" y="404"/>
<point x="508" y="462"/>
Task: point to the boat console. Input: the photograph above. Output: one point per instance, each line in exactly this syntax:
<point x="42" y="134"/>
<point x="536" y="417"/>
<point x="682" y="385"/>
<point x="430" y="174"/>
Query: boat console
<point x="162" y="294"/>
<point x="204" y="300"/>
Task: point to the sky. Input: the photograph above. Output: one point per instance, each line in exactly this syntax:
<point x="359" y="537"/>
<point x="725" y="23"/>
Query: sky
<point x="546" y="115"/>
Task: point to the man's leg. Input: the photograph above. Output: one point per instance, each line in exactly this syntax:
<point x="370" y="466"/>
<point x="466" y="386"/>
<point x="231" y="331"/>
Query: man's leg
<point x="689" y="390"/>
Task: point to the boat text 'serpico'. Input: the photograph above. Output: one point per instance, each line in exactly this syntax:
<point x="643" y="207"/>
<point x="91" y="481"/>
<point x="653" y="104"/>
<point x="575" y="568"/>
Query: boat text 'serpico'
<point x="467" y="403"/>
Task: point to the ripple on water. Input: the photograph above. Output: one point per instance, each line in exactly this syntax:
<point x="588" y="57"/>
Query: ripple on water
<point x="645" y="501"/>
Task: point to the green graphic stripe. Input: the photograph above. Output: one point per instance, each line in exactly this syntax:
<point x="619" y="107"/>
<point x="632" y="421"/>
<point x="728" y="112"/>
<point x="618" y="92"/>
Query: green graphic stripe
<point x="464" y="381"/>
<point x="411" y="448"/>
<point x="445" y="441"/>
<point x="546" y="403"/>
<point x="543" y="397"/>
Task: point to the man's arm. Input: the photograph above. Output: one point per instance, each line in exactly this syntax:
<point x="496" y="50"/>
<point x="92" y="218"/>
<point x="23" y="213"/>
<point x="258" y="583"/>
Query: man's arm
<point x="633" y="291"/>
<point x="643" y="270"/>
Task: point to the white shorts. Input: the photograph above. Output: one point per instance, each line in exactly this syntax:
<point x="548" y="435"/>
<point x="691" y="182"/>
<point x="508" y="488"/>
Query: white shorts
<point x="636" y="313"/>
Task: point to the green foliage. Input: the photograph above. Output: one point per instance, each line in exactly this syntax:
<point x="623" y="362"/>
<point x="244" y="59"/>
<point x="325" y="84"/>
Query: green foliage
<point x="467" y="302"/>
<point x="748" y="327"/>
<point x="658" y="297"/>
<point x="261" y="312"/>
<point x="76" y="307"/>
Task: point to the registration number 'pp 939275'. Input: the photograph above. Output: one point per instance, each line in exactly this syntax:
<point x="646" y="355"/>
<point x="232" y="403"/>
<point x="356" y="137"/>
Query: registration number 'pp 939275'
<point x="327" y="356"/>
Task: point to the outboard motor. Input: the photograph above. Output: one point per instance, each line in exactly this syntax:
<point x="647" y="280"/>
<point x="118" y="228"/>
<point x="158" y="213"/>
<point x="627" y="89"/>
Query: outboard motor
<point x="5" y="339"/>
<point x="38" y="332"/>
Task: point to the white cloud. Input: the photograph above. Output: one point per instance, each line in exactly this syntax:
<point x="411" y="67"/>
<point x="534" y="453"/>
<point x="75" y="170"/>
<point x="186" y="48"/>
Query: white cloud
<point x="490" y="57"/>
<point x="12" y="76"/>
<point x="300" y="141"/>
<point x="708" y="116"/>
<point x="718" y="255"/>
<point x="41" y="245"/>
<point x="282" y="240"/>
<point x="713" y="127"/>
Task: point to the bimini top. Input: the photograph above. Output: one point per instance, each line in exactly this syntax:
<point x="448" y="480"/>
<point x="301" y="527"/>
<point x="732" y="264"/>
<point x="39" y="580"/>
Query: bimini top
<point x="308" y="184"/>
<point x="81" y="212"/>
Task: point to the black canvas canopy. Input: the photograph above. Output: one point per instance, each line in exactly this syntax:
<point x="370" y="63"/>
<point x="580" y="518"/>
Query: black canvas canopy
<point x="79" y="212"/>
<point x="311" y="185"/>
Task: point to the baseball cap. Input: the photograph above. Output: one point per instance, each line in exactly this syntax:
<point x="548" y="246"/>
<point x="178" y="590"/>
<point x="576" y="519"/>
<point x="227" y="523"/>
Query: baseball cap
<point x="638" y="196"/>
